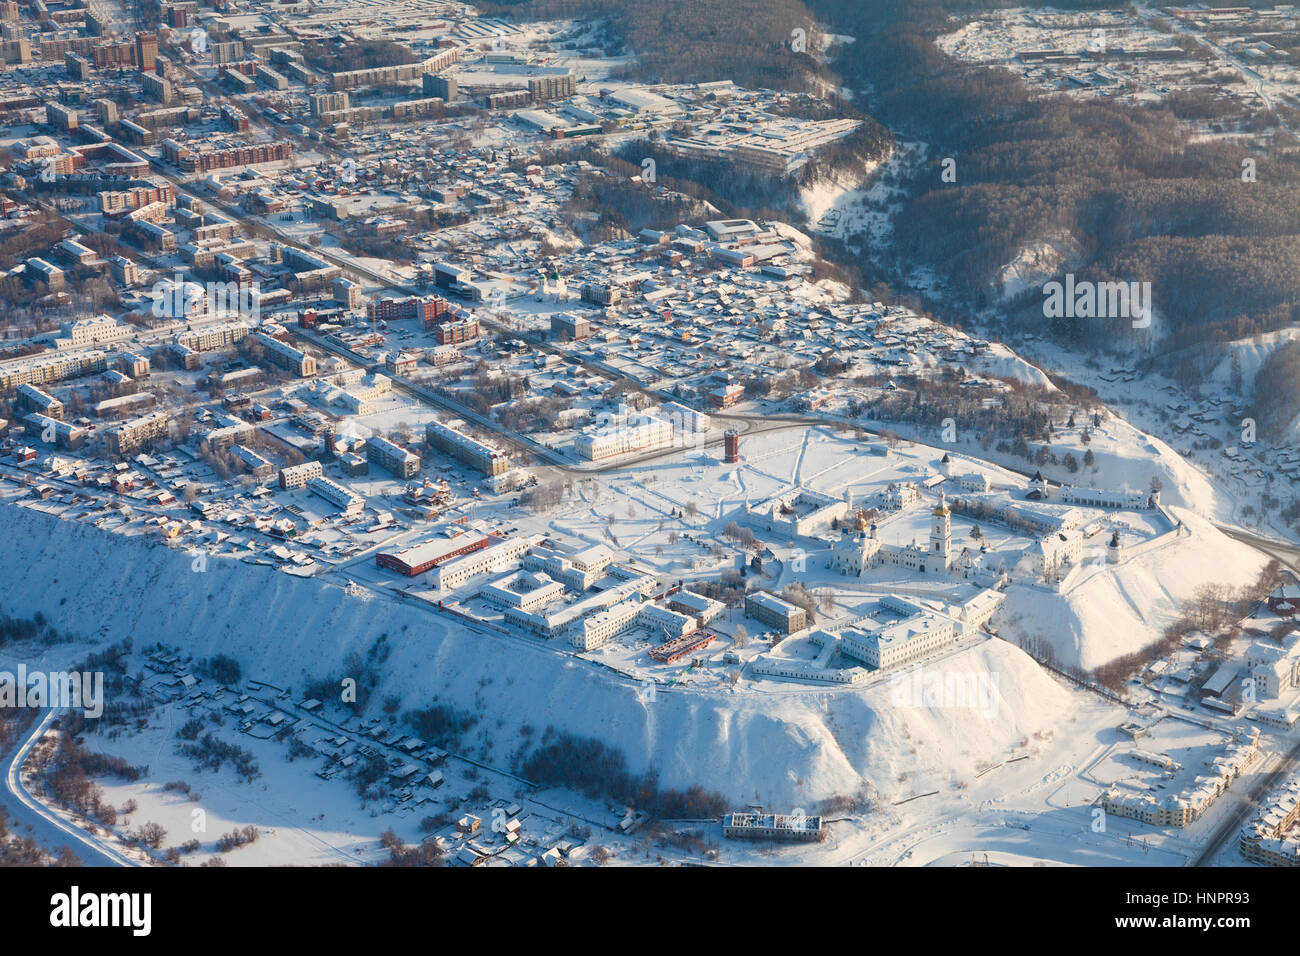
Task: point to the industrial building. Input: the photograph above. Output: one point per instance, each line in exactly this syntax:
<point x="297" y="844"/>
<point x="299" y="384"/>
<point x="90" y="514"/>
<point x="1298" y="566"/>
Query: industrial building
<point x="428" y="555"/>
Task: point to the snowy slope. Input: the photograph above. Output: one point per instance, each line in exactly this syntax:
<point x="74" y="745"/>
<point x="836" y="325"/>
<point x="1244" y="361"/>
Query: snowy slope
<point x="1117" y="611"/>
<point x="786" y="748"/>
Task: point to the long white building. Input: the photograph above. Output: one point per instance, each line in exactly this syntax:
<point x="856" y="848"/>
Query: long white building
<point x="500" y="556"/>
<point x="627" y="435"/>
<point x="345" y="500"/>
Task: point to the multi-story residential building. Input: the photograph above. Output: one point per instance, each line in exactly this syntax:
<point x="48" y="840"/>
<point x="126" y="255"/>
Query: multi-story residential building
<point x="251" y="462"/>
<point x="424" y="309"/>
<point x="568" y="327"/>
<point x="397" y="362"/>
<point x="724" y="396"/>
<point x="450" y="439"/>
<point x="42" y="271"/>
<point x="115" y="202"/>
<point x="38" y="400"/>
<point x="211" y="338"/>
<point x="393" y="457"/>
<point x="1184" y="807"/>
<point x="146" y="51"/>
<point x="231" y="431"/>
<point x="346" y="293"/>
<point x="203" y="160"/>
<point x="61" y="117"/>
<point x="322" y="103"/>
<point x="124" y="271"/>
<point x="51" y="368"/>
<point x="61" y="434"/>
<point x="285" y="356"/>
<point x="346" y="501"/>
<point x="456" y="333"/>
<point x="131" y="436"/>
<point x="297" y="476"/>
<point x="443" y="87"/>
<point x="552" y="87"/>
<point x="1273" y="837"/>
<point x="775" y="612"/>
<point x="601" y="293"/>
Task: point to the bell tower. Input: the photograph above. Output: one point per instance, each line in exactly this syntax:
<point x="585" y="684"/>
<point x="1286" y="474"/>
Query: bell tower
<point x="941" y="532"/>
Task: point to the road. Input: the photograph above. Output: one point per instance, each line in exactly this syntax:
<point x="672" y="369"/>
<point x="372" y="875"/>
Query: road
<point x="1235" y="820"/>
<point x="1288" y="554"/>
<point x="48" y="828"/>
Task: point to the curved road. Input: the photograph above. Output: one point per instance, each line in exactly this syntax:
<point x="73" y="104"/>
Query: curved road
<point x="47" y="827"/>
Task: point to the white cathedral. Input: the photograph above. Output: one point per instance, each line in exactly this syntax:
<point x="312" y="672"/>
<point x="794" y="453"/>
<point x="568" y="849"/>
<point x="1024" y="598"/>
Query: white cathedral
<point x="859" y="548"/>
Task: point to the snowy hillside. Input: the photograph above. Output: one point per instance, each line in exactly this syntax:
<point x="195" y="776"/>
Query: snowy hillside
<point x="768" y="747"/>
<point x="1108" y="612"/>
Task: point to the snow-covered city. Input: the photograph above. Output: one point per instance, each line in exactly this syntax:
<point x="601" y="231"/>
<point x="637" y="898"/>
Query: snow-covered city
<point x="493" y="435"/>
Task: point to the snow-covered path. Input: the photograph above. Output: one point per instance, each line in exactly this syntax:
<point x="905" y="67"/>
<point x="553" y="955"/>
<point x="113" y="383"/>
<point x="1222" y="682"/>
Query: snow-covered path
<point x="48" y="828"/>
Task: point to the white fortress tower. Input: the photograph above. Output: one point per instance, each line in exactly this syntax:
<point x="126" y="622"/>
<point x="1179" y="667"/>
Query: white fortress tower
<point x="1114" y="550"/>
<point x="941" y="534"/>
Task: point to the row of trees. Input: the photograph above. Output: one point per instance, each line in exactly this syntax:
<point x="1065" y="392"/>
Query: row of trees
<point x="601" y="772"/>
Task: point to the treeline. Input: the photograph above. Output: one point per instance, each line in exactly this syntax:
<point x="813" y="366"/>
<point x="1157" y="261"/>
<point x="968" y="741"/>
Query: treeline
<point x="441" y="725"/>
<point x="366" y="672"/>
<point x="1022" y="414"/>
<point x="1213" y="610"/>
<point x="240" y="836"/>
<point x="363" y="55"/>
<point x="425" y="853"/>
<point x="213" y="753"/>
<point x="600" y="772"/>
<point x="735" y="189"/>
<point x="17" y="850"/>
<point x="698" y="41"/>
<point x="1277" y="397"/>
<point x="221" y="668"/>
<point x="35" y="628"/>
<point x="70" y="778"/>
<point x="629" y="207"/>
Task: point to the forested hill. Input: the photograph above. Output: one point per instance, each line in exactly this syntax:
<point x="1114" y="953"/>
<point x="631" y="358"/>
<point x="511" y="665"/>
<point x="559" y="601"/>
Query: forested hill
<point x="688" y="41"/>
<point x="747" y="41"/>
<point x="1129" y="190"/>
<point x="1141" y="199"/>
